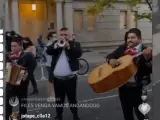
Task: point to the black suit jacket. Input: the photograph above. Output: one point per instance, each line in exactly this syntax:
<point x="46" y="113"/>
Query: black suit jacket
<point x="72" y="54"/>
<point x="28" y="61"/>
<point x="144" y="66"/>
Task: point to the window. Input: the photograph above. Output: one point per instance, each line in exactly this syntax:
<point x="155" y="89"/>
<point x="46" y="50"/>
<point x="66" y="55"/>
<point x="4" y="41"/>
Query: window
<point x="91" y="22"/>
<point x="128" y="19"/>
<point x="132" y="23"/>
<point x="123" y="20"/>
<point x="78" y="20"/>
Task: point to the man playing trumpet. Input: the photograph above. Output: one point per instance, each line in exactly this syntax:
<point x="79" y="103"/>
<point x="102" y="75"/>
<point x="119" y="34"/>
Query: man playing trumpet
<point x="27" y="61"/>
<point x="63" y="71"/>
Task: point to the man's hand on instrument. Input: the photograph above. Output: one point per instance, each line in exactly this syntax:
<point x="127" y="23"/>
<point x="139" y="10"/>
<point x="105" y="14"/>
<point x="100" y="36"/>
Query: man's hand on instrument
<point x="66" y="44"/>
<point x="114" y="62"/>
<point x="147" y="53"/>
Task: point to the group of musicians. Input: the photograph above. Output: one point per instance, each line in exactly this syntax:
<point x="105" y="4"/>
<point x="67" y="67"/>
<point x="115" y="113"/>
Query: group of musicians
<point x="63" y="64"/>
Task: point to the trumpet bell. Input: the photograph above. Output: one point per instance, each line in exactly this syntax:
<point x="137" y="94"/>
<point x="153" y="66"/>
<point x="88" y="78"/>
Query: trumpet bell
<point x="61" y="43"/>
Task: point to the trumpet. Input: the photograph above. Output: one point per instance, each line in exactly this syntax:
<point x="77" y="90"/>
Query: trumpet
<point x="61" y="43"/>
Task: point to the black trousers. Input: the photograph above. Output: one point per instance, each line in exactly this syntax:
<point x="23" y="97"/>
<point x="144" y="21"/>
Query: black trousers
<point x="130" y="100"/>
<point x="65" y="88"/>
<point x="15" y="91"/>
<point x="48" y="70"/>
<point x="33" y="81"/>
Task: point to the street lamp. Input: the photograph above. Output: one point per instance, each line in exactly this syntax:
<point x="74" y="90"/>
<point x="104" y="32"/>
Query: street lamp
<point x="34" y="7"/>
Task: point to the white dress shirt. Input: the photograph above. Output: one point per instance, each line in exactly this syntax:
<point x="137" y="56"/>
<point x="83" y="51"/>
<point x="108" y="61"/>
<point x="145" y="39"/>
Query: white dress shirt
<point x="62" y="67"/>
<point x="138" y="49"/>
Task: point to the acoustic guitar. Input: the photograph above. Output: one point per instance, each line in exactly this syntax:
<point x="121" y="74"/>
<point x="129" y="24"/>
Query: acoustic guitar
<point x="105" y="78"/>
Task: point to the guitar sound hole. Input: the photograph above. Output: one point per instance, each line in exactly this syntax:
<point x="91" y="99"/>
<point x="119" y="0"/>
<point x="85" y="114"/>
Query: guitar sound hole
<point x="100" y="72"/>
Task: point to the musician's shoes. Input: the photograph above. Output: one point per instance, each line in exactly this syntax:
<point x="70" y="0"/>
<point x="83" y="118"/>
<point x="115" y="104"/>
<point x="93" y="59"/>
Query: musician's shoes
<point x="59" y="118"/>
<point x="35" y="91"/>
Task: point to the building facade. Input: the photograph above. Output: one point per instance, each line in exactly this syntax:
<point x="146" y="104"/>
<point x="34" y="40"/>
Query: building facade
<point x="106" y="29"/>
<point x="2" y="17"/>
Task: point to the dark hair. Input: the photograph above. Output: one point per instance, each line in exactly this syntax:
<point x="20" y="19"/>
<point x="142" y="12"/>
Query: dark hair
<point x="19" y="42"/>
<point x="13" y="33"/>
<point x="7" y="32"/>
<point x="125" y="37"/>
<point x="30" y="43"/>
<point x="135" y="31"/>
<point x="64" y="29"/>
<point x="50" y="35"/>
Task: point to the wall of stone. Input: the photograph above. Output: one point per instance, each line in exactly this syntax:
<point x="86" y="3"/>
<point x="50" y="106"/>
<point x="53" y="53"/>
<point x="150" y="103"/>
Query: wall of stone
<point x="2" y="13"/>
<point x="108" y="25"/>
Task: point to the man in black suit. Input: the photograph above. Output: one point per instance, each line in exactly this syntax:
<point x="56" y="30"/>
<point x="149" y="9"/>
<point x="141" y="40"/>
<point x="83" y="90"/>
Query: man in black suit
<point x="130" y="93"/>
<point x="26" y="60"/>
<point x="64" y="66"/>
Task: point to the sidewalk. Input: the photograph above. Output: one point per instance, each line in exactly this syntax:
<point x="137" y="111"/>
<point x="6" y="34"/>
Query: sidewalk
<point x="93" y="57"/>
<point x="156" y="43"/>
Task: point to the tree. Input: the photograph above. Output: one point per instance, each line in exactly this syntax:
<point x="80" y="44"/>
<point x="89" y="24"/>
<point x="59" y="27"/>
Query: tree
<point x="100" y="5"/>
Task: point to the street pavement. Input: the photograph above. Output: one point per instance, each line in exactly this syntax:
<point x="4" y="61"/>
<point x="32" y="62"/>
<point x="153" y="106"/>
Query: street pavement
<point x="106" y="106"/>
<point x="156" y="64"/>
<point x="156" y="76"/>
